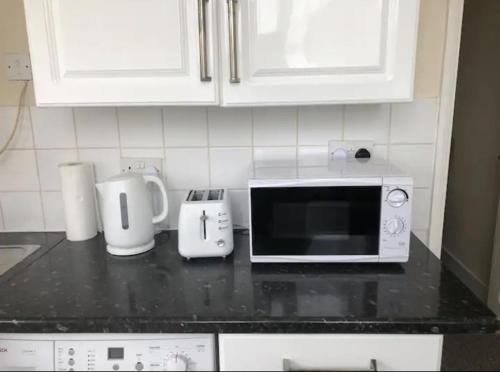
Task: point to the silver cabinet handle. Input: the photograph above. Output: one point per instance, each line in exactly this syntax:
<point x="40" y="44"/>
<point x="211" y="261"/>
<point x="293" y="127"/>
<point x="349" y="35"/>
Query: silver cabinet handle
<point x="233" y="41"/>
<point x="202" y="27"/>
<point x="287" y="367"/>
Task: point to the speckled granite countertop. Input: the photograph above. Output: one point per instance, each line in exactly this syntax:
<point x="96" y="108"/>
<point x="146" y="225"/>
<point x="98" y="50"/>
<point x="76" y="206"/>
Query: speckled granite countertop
<point x="78" y="287"/>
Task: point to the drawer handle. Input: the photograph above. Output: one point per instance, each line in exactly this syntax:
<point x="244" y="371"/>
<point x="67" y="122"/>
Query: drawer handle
<point x="287" y="367"/>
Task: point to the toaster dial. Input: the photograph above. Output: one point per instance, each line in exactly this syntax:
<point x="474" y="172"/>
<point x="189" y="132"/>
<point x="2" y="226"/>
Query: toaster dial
<point x="221" y="243"/>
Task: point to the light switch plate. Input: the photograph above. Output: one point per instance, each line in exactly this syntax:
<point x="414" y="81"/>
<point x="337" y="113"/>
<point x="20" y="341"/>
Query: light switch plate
<point x="140" y="165"/>
<point x="18" y="67"/>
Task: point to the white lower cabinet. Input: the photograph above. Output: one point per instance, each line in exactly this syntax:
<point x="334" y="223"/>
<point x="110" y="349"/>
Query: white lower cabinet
<point x="295" y="352"/>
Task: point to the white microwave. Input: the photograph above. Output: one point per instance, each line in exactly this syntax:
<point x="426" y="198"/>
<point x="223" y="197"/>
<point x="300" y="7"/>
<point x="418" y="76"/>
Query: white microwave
<point x="349" y="211"/>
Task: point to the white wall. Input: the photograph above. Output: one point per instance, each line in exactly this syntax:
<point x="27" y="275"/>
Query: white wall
<point x="200" y="147"/>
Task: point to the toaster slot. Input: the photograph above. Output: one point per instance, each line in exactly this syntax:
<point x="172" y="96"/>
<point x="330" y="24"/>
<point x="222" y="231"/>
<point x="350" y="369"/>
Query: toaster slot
<point x="217" y="194"/>
<point x="196" y="195"/>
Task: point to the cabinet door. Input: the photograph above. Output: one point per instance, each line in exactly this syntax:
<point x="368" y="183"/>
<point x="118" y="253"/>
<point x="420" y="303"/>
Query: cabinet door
<point x="330" y="352"/>
<point x="318" y="51"/>
<point x="121" y="52"/>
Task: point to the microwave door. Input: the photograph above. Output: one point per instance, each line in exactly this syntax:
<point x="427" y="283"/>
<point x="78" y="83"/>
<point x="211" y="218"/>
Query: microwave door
<point x="328" y="221"/>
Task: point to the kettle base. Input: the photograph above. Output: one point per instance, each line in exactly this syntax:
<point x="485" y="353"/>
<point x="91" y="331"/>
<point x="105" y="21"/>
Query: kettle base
<point x="130" y="251"/>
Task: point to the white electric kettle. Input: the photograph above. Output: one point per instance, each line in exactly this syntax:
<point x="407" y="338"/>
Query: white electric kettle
<point x="127" y="213"/>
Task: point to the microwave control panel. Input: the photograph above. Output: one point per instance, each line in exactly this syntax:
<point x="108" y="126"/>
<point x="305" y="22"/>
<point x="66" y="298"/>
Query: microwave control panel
<point x="396" y="222"/>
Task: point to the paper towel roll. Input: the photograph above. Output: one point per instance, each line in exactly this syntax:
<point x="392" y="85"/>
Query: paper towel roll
<point x="78" y="193"/>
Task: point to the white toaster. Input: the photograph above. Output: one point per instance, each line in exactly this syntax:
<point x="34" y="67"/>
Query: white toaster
<point x="205" y="224"/>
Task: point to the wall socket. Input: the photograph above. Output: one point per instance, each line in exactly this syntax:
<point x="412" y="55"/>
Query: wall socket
<point x="347" y="149"/>
<point x="18" y="67"/>
<point x="140" y="165"/>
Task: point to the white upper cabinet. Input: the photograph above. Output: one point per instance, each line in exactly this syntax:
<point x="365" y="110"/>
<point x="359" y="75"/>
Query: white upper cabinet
<point x="268" y="52"/>
<point x="317" y="51"/>
<point x="122" y="52"/>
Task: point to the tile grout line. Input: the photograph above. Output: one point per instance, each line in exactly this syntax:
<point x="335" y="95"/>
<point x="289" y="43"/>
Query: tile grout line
<point x="37" y="164"/>
<point x="117" y="119"/>
<point x="297" y="123"/>
<point x="209" y="157"/>
<point x="77" y="142"/>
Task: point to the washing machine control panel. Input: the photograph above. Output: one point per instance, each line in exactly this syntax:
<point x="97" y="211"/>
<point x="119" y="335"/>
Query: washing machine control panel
<point x="189" y="353"/>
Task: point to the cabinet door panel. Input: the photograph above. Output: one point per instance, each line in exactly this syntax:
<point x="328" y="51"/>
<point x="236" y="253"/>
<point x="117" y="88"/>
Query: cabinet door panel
<point x="321" y="51"/>
<point x="261" y="352"/>
<point x="115" y="52"/>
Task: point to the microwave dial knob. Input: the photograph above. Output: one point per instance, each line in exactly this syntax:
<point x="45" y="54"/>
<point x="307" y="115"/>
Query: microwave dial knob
<point x="397" y="198"/>
<point x="395" y="226"/>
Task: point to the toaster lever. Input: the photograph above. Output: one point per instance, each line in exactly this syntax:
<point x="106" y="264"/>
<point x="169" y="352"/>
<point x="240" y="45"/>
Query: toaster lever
<point x="203" y="221"/>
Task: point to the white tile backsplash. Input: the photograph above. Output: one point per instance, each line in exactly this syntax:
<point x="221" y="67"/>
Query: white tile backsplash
<point x="186" y="126"/>
<point x="106" y="161"/>
<point x="367" y="122"/>
<point x="53" y="128"/>
<point x="18" y="171"/>
<point x="229" y="167"/>
<point x="53" y="211"/>
<point x="417" y="160"/>
<point x="421" y="209"/>
<point x="313" y="155"/>
<point x="229" y="127"/>
<point x="48" y="161"/>
<point x="175" y="199"/>
<point x="97" y="127"/>
<point x="22" y="211"/>
<point x="275" y="126"/>
<point x="319" y="124"/>
<point x="414" y="122"/>
<point x="23" y="139"/>
<point x="202" y="147"/>
<point x="140" y="126"/>
<point x="187" y="168"/>
<point x="276" y="155"/>
<point x="239" y="207"/>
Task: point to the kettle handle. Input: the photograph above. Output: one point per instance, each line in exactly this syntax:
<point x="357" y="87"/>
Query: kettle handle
<point x="164" y="213"/>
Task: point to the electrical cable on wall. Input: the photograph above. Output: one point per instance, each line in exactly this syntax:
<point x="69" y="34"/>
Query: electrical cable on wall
<point x="19" y="117"/>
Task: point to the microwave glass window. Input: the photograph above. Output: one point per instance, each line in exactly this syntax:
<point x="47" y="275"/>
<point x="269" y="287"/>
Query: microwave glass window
<point x="297" y="221"/>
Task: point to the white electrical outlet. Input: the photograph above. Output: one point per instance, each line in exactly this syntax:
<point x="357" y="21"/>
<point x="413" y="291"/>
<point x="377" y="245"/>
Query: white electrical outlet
<point x="140" y="165"/>
<point x="338" y="150"/>
<point x="18" y="67"/>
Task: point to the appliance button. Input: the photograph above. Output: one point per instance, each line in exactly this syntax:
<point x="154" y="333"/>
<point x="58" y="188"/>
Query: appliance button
<point x="395" y="226"/>
<point x="221" y="243"/>
<point x="71" y="351"/>
<point x="397" y="198"/>
<point x="139" y="366"/>
<point x="71" y="362"/>
<point x="116" y="367"/>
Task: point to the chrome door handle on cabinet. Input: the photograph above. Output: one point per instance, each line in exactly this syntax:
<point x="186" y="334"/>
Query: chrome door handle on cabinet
<point x="233" y="41"/>
<point x="287" y="367"/>
<point x="202" y="27"/>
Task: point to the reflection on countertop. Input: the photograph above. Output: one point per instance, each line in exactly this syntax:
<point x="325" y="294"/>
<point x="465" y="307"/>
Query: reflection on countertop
<point x="78" y="287"/>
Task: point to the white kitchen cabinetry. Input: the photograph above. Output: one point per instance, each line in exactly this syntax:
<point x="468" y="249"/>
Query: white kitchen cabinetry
<point x="268" y="52"/>
<point x="330" y="352"/>
<point x="121" y="52"/>
<point x="318" y="51"/>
